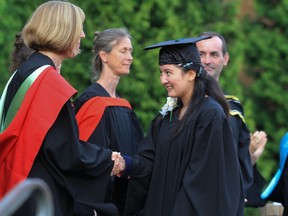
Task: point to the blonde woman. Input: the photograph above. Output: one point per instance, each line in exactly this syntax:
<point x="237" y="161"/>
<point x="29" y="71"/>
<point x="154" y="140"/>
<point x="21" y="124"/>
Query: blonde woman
<point x="39" y="134"/>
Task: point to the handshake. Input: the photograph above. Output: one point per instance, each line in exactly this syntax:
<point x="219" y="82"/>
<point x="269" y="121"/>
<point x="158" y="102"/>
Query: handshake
<point x="119" y="164"/>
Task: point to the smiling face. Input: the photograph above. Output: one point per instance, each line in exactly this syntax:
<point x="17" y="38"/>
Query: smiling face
<point x="120" y="58"/>
<point x="177" y="83"/>
<point x="212" y="56"/>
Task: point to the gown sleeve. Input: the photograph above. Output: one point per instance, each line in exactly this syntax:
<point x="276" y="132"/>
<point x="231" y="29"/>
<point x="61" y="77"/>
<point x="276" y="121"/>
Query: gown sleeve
<point x="241" y="135"/>
<point x="74" y="165"/>
<point x="139" y="172"/>
<point x="63" y="148"/>
<point x="211" y="183"/>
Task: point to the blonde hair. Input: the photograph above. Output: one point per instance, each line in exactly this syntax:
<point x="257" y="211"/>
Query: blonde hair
<point x="54" y="26"/>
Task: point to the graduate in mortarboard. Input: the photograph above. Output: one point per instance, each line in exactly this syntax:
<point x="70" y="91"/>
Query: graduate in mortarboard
<point x="250" y="146"/>
<point x="187" y="164"/>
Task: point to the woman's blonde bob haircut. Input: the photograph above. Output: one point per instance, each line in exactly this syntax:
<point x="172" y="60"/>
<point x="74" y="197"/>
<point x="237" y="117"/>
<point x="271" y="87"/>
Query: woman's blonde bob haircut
<point x="54" y="26"/>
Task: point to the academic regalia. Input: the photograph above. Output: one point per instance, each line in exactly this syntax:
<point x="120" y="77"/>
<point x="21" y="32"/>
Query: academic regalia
<point x="253" y="181"/>
<point x="280" y="191"/>
<point x="195" y="173"/>
<point x="277" y="189"/>
<point x="110" y="123"/>
<point x="241" y="135"/>
<point x="253" y="193"/>
<point x="66" y="164"/>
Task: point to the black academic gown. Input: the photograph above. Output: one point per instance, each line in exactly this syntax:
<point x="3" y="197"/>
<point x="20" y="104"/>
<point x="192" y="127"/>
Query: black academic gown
<point x="195" y="173"/>
<point x="119" y="130"/>
<point x="66" y="164"/>
<point x="241" y="135"/>
<point x="252" y="179"/>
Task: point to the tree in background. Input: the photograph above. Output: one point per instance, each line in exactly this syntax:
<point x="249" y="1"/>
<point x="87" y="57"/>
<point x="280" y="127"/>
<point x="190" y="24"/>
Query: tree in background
<point x="266" y="79"/>
<point x="148" y="21"/>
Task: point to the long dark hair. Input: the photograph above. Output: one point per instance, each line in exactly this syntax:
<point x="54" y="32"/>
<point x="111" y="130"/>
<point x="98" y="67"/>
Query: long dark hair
<point x="20" y="53"/>
<point x="204" y="85"/>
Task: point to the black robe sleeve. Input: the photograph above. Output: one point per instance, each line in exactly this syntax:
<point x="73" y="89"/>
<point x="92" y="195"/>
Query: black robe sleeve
<point x="71" y="166"/>
<point x="141" y="169"/>
<point x="241" y="135"/>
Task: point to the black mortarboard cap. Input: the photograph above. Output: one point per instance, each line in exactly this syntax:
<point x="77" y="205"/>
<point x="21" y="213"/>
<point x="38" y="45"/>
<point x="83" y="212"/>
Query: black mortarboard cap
<point x="182" y="52"/>
<point x="181" y="41"/>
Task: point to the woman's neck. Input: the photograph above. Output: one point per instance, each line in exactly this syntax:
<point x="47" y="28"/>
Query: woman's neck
<point x="57" y="59"/>
<point x="109" y="85"/>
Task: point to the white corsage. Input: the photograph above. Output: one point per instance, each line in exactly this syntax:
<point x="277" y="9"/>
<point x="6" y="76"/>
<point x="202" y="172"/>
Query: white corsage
<point x="169" y="106"/>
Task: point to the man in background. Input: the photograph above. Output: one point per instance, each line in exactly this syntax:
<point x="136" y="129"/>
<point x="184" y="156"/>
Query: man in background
<point x="214" y="57"/>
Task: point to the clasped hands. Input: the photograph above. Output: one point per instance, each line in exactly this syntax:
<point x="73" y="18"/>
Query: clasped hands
<point x="119" y="164"/>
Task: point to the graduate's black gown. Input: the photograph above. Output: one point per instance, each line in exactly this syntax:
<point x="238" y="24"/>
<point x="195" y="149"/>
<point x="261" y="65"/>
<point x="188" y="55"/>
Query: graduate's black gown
<point x="195" y="173"/>
<point x="69" y="166"/>
<point x="119" y="130"/>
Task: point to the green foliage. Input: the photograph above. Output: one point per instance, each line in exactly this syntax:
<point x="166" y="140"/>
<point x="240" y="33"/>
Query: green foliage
<point x="14" y="14"/>
<point x="252" y="212"/>
<point x="148" y="22"/>
<point x="266" y="60"/>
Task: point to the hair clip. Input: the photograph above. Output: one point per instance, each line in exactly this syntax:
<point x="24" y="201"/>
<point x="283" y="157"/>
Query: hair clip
<point x="184" y="65"/>
<point x="200" y="72"/>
